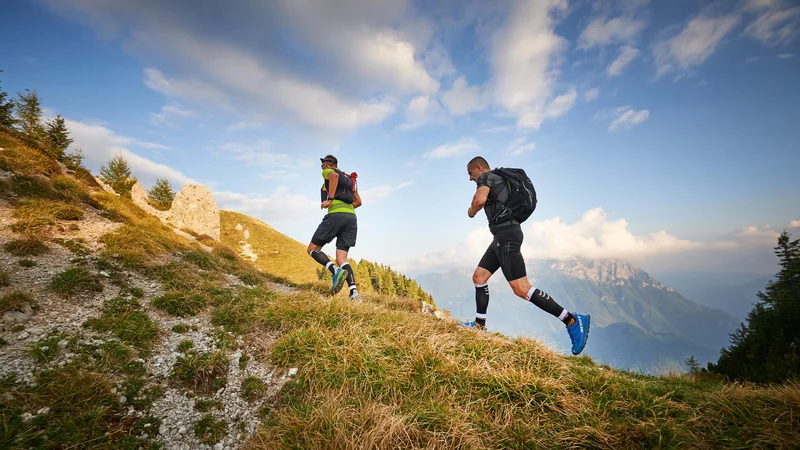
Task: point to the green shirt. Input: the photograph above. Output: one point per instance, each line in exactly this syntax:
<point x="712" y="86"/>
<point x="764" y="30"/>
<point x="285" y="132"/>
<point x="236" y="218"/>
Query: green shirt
<point x="337" y="206"/>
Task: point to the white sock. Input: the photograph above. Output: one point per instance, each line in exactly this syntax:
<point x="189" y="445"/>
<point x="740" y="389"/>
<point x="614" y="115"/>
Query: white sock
<point x="530" y="293"/>
<point x="563" y="315"/>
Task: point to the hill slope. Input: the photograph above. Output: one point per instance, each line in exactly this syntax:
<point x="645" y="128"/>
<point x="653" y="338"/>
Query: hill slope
<point x="121" y="333"/>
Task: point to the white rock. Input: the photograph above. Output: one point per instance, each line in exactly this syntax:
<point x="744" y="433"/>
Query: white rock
<point x="292" y="371"/>
<point x="42" y="411"/>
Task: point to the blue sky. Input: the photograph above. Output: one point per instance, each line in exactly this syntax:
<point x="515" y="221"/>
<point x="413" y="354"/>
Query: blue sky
<point x="664" y="133"/>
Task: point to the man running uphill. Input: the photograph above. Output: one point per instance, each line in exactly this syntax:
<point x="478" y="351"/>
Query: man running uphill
<point x="340" y="195"/>
<point x="504" y="253"/>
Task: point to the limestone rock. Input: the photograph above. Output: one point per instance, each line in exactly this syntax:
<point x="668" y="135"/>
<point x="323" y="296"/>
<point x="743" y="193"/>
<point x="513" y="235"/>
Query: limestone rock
<point x="193" y="208"/>
<point x="106" y="187"/>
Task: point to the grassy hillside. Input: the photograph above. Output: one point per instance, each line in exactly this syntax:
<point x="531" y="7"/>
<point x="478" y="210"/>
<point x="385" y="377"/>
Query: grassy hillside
<point x="162" y="326"/>
<point x="277" y="253"/>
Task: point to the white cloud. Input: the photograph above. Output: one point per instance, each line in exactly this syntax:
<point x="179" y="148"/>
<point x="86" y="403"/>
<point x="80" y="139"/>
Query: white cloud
<point x="169" y="114"/>
<point x="463" y="99"/>
<point x="626" y="117"/>
<point x="793" y="224"/>
<point x="626" y="56"/>
<point x="561" y="104"/>
<point x="245" y="125"/>
<point x="694" y="44"/>
<point x="603" y="32"/>
<point x="420" y="111"/>
<point x="596" y="236"/>
<point x="487" y="128"/>
<point x="785" y="55"/>
<point x="259" y="153"/>
<point x="281" y="174"/>
<point x="591" y="94"/>
<point x="378" y="193"/>
<point x="776" y="25"/>
<point x="453" y="149"/>
<point x="367" y="54"/>
<point x="100" y="144"/>
<point x="520" y="146"/>
<point x="150" y="145"/>
<point x="525" y="53"/>
<point x="280" y="206"/>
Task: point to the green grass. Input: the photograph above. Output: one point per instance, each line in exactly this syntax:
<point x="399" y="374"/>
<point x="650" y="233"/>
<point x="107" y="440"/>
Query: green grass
<point x="5" y="279"/>
<point x="31" y="246"/>
<point x="76" y="246"/>
<point x="373" y="371"/>
<point x="207" y="404"/>
<point x="253" y="388"/>
<point x="183" y="346"/>
<point x="181" y="328"/>
<point x="32" y="214"/>
<point x="127" y="320"/>
<point x="13" y="301"/>
<point x="74" y="281"/>
<point x="27" y="263"/>
<point x="210" y="430"/>
<point x="180" y="304"/>
<point x="200" y="372"/>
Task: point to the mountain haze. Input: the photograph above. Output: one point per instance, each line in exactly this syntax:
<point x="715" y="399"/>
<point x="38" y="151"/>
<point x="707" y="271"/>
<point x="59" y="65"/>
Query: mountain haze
<point x="637" y="322"/>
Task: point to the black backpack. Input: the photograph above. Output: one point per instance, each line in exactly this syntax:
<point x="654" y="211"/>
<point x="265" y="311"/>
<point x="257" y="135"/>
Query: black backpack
<point x="345" y="188"/>
<point x="521" y="197"/>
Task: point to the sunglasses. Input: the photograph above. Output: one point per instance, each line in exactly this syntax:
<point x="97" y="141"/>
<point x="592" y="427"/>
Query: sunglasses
<point x="325" y="161"/>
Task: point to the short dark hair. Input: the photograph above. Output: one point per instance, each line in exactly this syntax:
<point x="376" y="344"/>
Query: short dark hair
<point x="330" y="159"/>
<point x="478" y="161"/>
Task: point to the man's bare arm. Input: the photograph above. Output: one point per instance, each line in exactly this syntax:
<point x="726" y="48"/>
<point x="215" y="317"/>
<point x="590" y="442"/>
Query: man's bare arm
<point x="478" y="200"/>
<point x="357" y="200"/>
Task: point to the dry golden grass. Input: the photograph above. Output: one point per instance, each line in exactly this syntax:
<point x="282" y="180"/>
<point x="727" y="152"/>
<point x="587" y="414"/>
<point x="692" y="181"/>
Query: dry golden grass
<point x="25" y="160"/>
<point x="34" y="214"/>
<point x="278" y="254"/>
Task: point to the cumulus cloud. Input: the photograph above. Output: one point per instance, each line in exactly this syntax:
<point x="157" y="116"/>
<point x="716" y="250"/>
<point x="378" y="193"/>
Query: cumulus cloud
<point x="793" y="224"/>
<point x="626" y="56"/>
<point x="463" y="99"/>
<point x="421" y="110"/>
<point x="452" y="149"/>
<point x="602" y="31"/>
<point x="525" y="55"/>
<point x="279" y="207"/>
<point x="626" y="117"/>
<point x="365" y="55"/>
<point x="694" y="44"/>
<point x="591" y="94"/>
<point x="259" y="153"/>
<point x="785" y="55"/>
<point x="100" y="144"/>
<point x="596" y="236"/>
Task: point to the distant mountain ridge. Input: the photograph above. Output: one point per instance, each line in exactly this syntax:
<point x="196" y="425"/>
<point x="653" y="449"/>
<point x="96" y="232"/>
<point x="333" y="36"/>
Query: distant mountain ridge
<point x="668" y="328"/>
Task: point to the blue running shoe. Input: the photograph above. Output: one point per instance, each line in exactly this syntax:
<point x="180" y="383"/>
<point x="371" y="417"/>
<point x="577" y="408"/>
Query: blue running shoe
<point x="339" y="277"/>
<point x="579" y="333"/>
<point x="472" y="324"/>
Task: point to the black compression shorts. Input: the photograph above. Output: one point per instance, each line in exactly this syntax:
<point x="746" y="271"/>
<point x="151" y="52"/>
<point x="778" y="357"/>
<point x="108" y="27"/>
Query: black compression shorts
<point x="342" y="226"/>
<point x="504" y="253"/>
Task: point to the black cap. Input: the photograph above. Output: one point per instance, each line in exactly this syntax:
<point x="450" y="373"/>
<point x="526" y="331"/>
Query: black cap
<point x="329" y="158"/>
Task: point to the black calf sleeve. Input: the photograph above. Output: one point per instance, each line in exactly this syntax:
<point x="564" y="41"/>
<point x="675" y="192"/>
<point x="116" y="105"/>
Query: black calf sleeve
<point x="323" y="259"/>
<point x="351" y="275"/>
<point x="544" y="301"/>
<point x="481" y="299"/>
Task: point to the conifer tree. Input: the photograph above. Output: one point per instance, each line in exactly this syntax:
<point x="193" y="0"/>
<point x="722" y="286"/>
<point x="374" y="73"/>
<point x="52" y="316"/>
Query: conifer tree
<point x="29" y="116"/>
<point x="57" y="137"/>
<point x="117" y="174"/>
<point x="74" y="160"/>
<point x="161" y="194"/>
<point x="767" y="348"/>
<point x="6" y="110"/>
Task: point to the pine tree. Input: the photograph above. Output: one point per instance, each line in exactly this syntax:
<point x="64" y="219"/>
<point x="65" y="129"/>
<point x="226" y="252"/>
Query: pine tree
<point x="767" y="348"/>
<point x="117" y="174"/>
<point x="57" y="137"/>
<point x="29" y="116"/>
<point x="161" y="194"/>
<point x="6" y="110"/>
<point x="74" y="160"/>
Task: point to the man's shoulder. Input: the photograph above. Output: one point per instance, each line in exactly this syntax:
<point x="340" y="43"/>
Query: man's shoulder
<point x="326" y="173"/>
<point x="488" y="179"/>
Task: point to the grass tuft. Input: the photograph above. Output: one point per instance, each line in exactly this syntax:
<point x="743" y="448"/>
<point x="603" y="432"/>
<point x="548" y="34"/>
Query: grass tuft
<point x="201" y="372"/>
<point x="5" y="279"/>
<point x="31" y="246"/>
<point x="180" y="304"/>
<point x="76" y="246"/>
<point x="14" y="301"/>
<point x="76" y="280"/>
<point x="136" y="244"/>
<point x="128" y="321"/>
<point x="253" y="388"/>
<point x="180" y="328"/>
<point x="210" y="430"/>
<point x="27" y="263"/>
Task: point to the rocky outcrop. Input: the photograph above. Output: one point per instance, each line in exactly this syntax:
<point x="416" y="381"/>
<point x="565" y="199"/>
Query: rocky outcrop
<point x="193" y="208"/>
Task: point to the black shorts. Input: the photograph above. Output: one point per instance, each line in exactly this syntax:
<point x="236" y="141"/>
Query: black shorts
<point x="504" y="252"/>
<point x="342" y="226"/>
